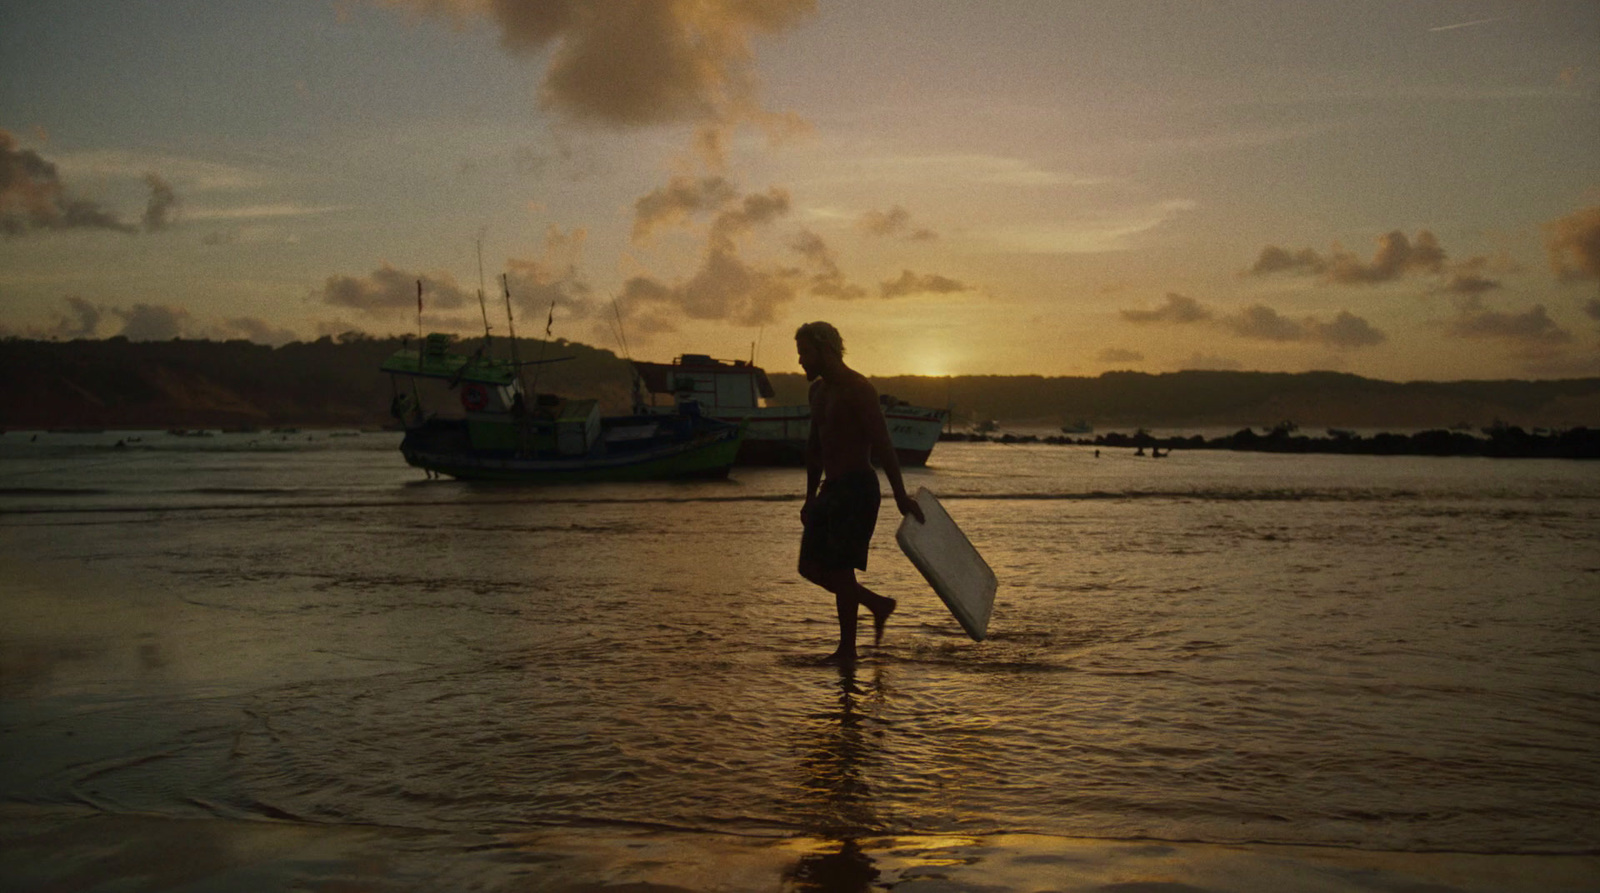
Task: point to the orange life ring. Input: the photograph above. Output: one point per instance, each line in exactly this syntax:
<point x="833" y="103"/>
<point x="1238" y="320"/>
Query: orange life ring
<point x="474" y="397"/>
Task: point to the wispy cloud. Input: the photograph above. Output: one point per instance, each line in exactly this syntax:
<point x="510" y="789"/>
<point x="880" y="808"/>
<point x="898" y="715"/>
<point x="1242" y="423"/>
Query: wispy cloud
<point x="1471" y="24"/>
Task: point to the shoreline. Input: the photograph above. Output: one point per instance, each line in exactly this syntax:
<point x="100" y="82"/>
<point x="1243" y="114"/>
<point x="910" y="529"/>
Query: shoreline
<point x="69" y="848"/>
<point x="1499" y="443"/>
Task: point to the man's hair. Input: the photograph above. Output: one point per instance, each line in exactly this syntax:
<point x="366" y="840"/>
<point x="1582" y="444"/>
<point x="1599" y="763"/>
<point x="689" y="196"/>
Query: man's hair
<point x="823" y="335"/>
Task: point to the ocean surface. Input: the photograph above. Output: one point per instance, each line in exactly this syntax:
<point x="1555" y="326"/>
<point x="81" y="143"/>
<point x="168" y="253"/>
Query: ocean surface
<point x="1378" y="653"/>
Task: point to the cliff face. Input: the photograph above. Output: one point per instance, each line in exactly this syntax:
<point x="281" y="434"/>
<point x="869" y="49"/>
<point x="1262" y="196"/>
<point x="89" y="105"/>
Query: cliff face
<point x="202" y="384"/>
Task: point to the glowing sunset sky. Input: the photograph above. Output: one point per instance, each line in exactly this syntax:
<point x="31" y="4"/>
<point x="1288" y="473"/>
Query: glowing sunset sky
<point x="1403" y="190"/>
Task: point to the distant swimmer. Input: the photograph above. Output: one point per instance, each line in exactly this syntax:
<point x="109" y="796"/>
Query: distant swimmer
<point x="848" y="433"/>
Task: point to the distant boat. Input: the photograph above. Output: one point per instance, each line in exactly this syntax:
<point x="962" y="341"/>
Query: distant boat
<point x="734" y="391"/>
<point x="1078" y="427"/>
<point x="498" y="436"/>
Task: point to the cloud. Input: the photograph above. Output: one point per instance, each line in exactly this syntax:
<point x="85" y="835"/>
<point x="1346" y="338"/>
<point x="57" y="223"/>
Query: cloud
<point x="1178" y="309"/>
<point x="1346" y="330"/>
<point x="1262" y="323"/>
<point x="1211" y="363"/>
<point x="894" y="222"/>
<point x="911" y="283"/>
<point x="1574" y="244"/>
<point x="1119" y="355"/>
<point x="1591" y="308"/>
<point x="33" y="197"/>
<point x="827" y="280"/>
<point x="390" y="292"/>
<point x="725" y="286"/>
<point x="153" y="322"/>
<point x="678" y="201"/>
<point x="82" y="321"/>
<point x="1462" y="283"/>
<point x="254" y="329"/>
<point x="637" y="62"/>
<point x="1274" y="259"/>
<point x="1396" y="257"/>
<point x="552" y="284"/>
<point x="1531" y="329"/>
<point x="163" y="204"/>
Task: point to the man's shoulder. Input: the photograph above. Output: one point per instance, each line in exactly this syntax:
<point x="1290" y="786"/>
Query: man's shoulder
<point x="860" y="387"/>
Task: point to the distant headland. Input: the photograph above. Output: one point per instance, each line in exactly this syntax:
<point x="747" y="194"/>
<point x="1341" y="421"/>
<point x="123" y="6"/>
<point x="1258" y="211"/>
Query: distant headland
<point x="334" y="381"/>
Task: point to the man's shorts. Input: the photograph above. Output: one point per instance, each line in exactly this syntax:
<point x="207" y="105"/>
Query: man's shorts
<point x="840" y="521"/>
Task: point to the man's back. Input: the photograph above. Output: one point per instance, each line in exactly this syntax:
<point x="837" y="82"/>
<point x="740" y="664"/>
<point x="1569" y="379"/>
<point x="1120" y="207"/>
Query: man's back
<point x="839" y="413"/>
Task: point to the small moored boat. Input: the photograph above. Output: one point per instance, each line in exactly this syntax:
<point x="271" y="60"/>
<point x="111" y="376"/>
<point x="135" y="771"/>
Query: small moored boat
<point x="736" y="391"/>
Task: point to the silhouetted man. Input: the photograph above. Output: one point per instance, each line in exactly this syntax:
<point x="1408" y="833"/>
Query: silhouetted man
<point x="848" y="433"/>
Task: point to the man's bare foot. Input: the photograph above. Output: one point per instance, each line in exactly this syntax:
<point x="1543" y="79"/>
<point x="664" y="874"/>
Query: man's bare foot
<point x="839" y="658"/>
<point x="879" y="619"/>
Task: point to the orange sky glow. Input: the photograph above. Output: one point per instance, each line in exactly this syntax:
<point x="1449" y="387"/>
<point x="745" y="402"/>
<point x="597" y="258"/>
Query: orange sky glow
<point x="1402" y="191"/>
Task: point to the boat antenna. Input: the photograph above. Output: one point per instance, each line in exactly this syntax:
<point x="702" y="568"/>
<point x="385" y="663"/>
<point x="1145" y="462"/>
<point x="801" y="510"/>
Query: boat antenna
<point x="622" y="334"/>
<point x="544" y="342"/>
<point x="511" y="330"/>
<point x="483" y="305"/>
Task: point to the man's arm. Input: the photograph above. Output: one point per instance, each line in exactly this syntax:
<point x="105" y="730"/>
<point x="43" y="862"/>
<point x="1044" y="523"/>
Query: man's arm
<point x="877" y="428"/>
<point x="813" y="445"/>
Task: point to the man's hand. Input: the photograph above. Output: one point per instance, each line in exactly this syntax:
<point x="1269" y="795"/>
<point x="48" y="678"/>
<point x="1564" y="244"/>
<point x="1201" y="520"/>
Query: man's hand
<point x="908" y="506"/>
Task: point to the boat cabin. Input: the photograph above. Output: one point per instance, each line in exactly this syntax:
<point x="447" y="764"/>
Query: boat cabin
<point x="719" y="386"/>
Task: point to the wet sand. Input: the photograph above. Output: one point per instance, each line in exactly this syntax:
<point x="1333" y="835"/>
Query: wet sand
<point x="56" y="849"/>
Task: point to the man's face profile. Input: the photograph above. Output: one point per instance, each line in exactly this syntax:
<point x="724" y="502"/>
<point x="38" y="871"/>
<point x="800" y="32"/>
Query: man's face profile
<point x="810" y="358"/>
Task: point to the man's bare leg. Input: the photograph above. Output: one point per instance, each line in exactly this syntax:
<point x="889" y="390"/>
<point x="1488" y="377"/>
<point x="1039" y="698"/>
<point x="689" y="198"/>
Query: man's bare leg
<point x="848" y="594"/>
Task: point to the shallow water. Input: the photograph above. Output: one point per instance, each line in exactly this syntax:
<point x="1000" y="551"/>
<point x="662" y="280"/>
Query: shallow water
<point x="1388" y="653"/>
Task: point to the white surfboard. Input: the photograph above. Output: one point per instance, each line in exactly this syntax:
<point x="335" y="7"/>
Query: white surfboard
<point x="950" y="564"/>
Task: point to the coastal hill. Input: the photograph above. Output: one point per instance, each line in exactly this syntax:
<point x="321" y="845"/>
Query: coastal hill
<point x="335" y="382"/>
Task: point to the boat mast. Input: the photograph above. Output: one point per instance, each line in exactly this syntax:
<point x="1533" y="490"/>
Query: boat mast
<point x="482" y="304"/>
<point x="511" y="329"/>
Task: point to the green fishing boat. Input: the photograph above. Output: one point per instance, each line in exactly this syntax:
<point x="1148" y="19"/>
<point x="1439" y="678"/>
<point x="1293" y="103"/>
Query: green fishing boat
<point x="499" y="434"/>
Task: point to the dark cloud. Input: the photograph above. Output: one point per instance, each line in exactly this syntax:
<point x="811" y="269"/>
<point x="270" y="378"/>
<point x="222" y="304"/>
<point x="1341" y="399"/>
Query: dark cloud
<point x="82" y="319"/>
<point x="153" y="322"/>
<point x="726" y="286"/>
<point x="637" y="62"/>
<point x="827" y="280"/>
<point x="1262" y="323"/>
<point x="1177" y="309"/>
<point x="1119" y="355"/>
<point x="1274" y="259"/>
<point x="1395" y="257"/>
<point x="1346" y="330"/>
<point x="894" y="222"/>
<point x="911" y="283"/>
<point x="678" y="201"/>
<point x="1533" y="328"/>
<point x="32" y="196"/>
<point x="1574" y="244"/>
<point x="1591" y="307"/>
<point x="390" y="292"/>
<point x="162" y="206"/>
<point x="756" y="209"/>
<point x="1463" y="283"/>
